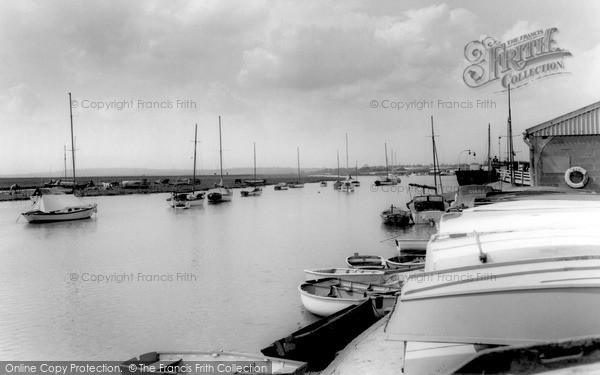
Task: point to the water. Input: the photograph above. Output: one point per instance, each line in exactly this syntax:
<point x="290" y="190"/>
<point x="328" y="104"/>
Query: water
<point x="239" y="265"/>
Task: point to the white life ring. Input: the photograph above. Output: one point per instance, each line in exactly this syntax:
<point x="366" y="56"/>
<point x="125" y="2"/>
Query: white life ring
<point x="580" y="184"/>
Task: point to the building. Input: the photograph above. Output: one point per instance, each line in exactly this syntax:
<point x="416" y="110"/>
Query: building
<point x="565" y="151"/>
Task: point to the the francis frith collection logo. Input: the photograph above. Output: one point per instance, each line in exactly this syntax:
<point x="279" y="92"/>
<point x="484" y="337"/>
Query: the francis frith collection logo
<point x="516" y="62"/>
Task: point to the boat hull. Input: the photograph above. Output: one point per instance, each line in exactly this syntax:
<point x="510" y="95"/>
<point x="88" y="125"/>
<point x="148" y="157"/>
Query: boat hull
<point x="219" y="195"/>
<point x="212" y="362"/>
<point x="318" y="343"/>
<point x="49" y="217"/>
<point x="373" y="262"/>
<point x="349" y="274"/>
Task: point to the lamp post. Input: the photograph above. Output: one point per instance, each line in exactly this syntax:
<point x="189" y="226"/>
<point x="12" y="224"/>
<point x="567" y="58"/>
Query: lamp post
<point x="463" y="151"/>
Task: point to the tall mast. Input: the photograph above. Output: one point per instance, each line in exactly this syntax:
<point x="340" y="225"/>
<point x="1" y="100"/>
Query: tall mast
<point x="435" y="160"/>
<point x="65" y="156"/>
<point x="387" y="171"/>
<point x="347" y="171"/>
<point x="195" y="143"/>
<point x="72" y="140"/>
<point x="338" y="160"/>
<point x="511" y="156"/>
<point x="489" y="160"/>
<point x="298" y="151"/>
<point x="220" y="150"/>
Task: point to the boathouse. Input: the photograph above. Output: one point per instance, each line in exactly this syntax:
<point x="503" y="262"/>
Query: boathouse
<point x="565" y="151"/>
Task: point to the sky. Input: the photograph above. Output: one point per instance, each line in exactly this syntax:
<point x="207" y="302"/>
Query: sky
<point x="282" y="74"/>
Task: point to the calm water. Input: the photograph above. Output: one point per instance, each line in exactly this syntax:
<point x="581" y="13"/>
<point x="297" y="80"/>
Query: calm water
<point x="239" y="266"/>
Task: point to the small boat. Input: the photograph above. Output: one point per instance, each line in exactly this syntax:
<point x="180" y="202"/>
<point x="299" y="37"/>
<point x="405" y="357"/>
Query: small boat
<point x="366" y="261"/>
<point x="253" y="191"/>
<point x="281" y="186"/>
<point x="220" y="362"/>
<point x="323" y="183"/>
<point x="328" y="296"/>
<point x="348" y="274"/>
<point x="318" y="343"/>
<point x="427" y="208"/>
<point x="59" y="207"/>
<point x="347" y="186"/>
<point x="389" y="178"/>
<point x="395" y="216"/>
<point x="410" y="251"/>
<point x="194" y="198"/>
<point x="220" y="193"/>
<point x="337" y="185"/>
<point x="398" y="263"/>
<point x="356" y="183"/>
<point x="298" y="184"/>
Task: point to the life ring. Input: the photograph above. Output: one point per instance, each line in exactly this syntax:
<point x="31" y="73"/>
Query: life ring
<point x="576" y="185"/>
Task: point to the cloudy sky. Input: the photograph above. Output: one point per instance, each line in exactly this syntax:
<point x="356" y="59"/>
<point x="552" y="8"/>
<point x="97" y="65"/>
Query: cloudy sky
<point x="283" y="74"/>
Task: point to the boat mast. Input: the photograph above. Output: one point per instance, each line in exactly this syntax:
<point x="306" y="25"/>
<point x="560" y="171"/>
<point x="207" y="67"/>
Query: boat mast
<point x="489" y="160"/>
<point x="65" y="156"/>
<point x="194" y="174"/>
<point x="254" y="162"/>
<point x="387" y="170"/>
<point x="220" y="151"/>
<point x="356" y="170"/>
<point x="72" y="140"/>
<point x="298" y="151"/>
<point x="435" y="160"/>
<point x="347" y="168"/>
<point x="338" y="160"/>
<point x="511" y="156"/>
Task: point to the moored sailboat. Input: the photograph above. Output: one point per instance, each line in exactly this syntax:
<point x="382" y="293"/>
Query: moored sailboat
<point x="220" y="193"/>
<point x="299" y="183"/>
<point x="252" y="191"/>
<point x="61" y="207"/>
<point x="194" y="198"/>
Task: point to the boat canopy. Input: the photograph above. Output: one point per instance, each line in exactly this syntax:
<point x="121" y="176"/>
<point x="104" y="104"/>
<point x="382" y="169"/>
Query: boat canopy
<point x="55" y="202"/>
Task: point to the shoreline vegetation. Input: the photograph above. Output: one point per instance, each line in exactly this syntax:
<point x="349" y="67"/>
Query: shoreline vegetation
<point x="112" y="185"/>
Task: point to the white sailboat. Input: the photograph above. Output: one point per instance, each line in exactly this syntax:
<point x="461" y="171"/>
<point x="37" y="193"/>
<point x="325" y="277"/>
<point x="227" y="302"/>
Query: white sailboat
<point x="194" y="198"/>
<point x="220" y="193"/>
<point x="337" y="185"/>
<point x="389" y="178"/>
<point x="61" y="207"/>
<point x="299" y="183"/>
<point x="347" y="185"/>
<point x="254" y="190"/>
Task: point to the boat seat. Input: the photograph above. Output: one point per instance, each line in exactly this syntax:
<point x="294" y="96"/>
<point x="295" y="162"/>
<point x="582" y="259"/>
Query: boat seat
<point x="333" y="292"/>
<point x="165" y="364"/>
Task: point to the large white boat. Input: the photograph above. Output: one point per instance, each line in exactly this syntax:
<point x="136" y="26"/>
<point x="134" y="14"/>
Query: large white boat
<point x="220" y="193"/>
<point x="60" y="206"/>
<point x="512" y="273"/>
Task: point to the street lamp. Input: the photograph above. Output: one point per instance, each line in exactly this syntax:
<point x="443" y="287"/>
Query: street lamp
<point x="463" y="151"/>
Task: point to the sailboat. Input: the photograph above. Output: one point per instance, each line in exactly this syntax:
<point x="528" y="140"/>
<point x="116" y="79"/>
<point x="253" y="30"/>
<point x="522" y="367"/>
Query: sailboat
<point x="337" y="185"/>
<point x="183" y="200"/>
<point x="389" y="179"/>
<point x="61" y="207"/>
<point x="347" y="185"/>
<point x="255" y="190"/>
<point x="429" y="208"/>
<point x="356" y="183"/>
<point x="299" y="183"/>
<point x="220" y="193"/>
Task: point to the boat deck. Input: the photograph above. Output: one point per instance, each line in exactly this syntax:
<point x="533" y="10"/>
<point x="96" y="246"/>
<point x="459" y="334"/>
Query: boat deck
<point x="369" y="353"/>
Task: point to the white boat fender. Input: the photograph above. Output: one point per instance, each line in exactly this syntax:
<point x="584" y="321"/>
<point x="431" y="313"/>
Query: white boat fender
<point x="569" y="174"/>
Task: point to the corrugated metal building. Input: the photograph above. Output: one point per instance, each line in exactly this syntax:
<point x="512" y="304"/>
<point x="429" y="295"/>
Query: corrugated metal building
<point x="566" y="148"/>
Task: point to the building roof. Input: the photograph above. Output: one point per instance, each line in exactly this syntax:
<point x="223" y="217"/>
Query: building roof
<point x="584" y="121"/>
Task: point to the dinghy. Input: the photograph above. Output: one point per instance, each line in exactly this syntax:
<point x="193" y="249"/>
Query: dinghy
<point x="372" y="262"/>
<point x="328" y="296"/>
<point x="348" y="274"/>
